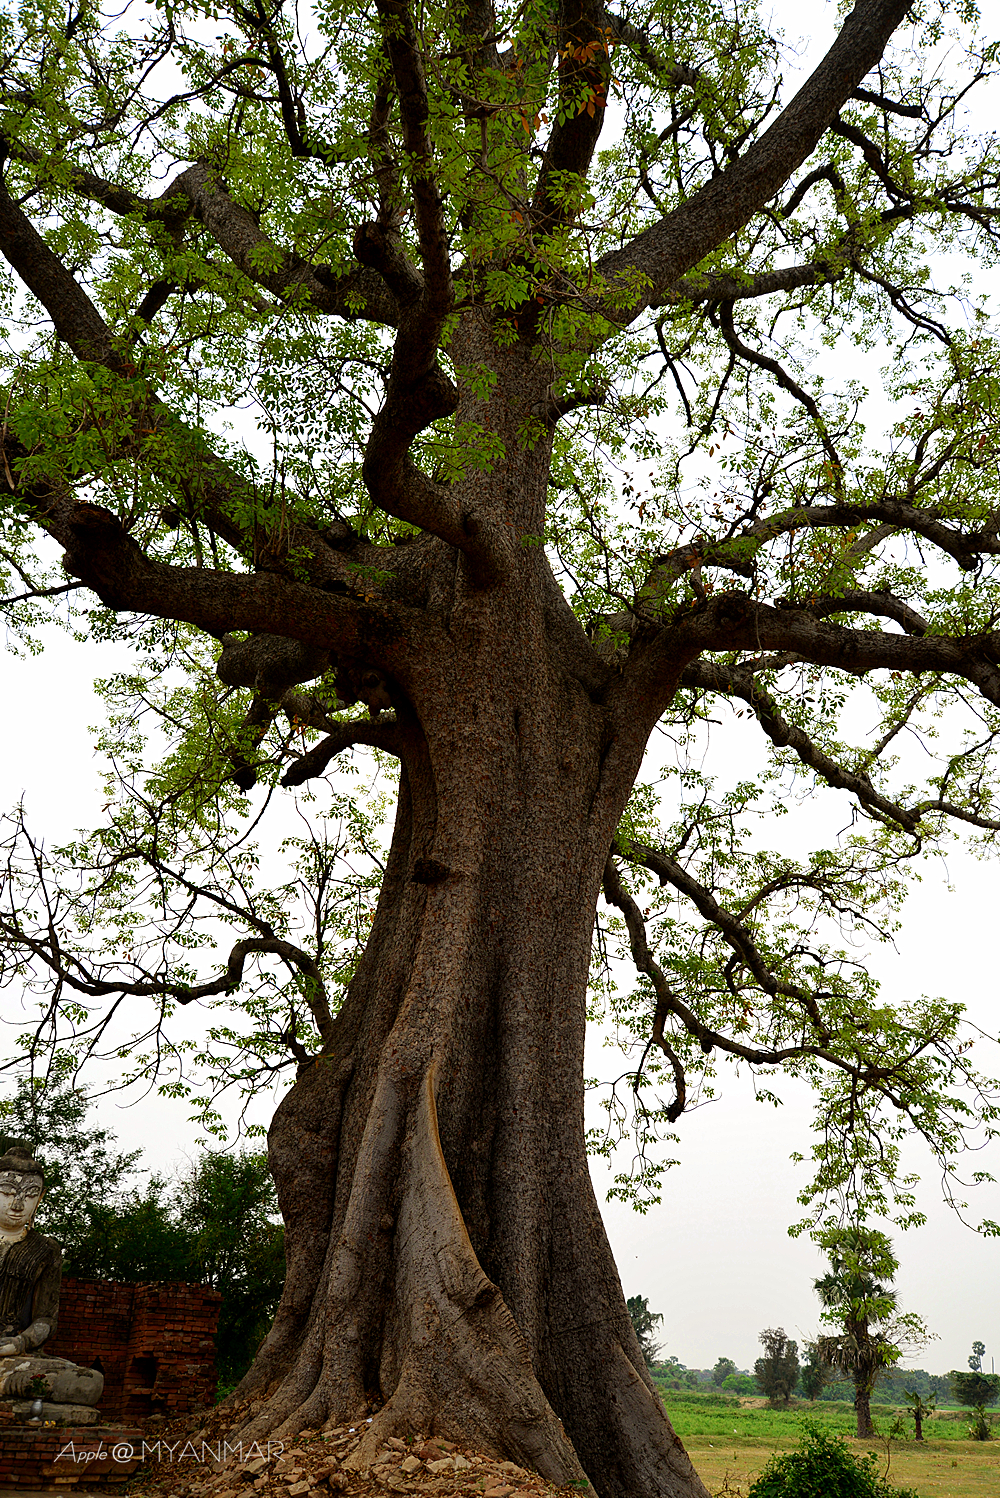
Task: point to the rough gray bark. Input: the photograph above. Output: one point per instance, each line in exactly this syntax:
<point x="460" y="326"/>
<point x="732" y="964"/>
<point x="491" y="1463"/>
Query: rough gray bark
<point x="863" y="1411"/>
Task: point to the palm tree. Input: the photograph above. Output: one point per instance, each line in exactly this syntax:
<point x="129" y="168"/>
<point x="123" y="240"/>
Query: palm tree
<point x="857" y="1297"/>
<point x="921" y="1410"/>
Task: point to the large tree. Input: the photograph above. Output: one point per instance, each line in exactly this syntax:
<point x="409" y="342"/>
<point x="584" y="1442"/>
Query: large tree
<point x="522" y="298"/>
<point x="777" y="1372"/>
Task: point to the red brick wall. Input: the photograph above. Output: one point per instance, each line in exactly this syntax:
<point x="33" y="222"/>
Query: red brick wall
<point x="152" y="1342"/>
<point x="38" y="1456"/>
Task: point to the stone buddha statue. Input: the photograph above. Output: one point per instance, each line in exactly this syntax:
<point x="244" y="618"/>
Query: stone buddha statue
<point x="30" y="1272"/>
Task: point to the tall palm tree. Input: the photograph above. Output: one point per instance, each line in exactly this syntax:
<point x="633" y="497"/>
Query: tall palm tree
<point x="857" y="1297"/>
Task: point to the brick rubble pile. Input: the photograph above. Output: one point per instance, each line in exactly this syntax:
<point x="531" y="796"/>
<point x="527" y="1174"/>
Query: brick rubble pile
<point x="312" y="1466"/>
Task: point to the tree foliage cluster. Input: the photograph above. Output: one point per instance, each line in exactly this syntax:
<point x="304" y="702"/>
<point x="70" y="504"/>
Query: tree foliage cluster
<point x="645" y="1323"/>
<point x="777" y="1372"/>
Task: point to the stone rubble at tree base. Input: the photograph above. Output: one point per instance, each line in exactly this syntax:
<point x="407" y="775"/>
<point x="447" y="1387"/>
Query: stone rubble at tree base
<point x="311" y="1466"/>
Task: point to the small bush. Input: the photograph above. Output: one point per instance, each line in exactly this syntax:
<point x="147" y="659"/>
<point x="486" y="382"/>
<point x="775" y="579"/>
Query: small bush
<point x="981" y="1427"/>
<point x="824" y="1468"/>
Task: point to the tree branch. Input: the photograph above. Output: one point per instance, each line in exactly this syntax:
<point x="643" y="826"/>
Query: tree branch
<point x="663" y="253"/>
<point x="732" y="681"/>
<point x="732" y="621"/>
<point x="76" y="319"/>
<point x="785" y="381"/>
<point x="735" y="555"/>
<point x="100" y="551"/>
<point x="733" y="288"/>
<point x="357" y="294"/>
<point x="908" y="111"/>
<point x="668" y="1002"/>
<point x="384" y="735"/>
<point x="417" y="392"/>
<point x="584" y="74"/>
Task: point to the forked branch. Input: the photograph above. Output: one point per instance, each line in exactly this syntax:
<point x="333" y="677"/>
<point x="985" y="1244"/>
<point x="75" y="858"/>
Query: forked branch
<point x="664" y="253"/>
<point x="669" y="1002"/>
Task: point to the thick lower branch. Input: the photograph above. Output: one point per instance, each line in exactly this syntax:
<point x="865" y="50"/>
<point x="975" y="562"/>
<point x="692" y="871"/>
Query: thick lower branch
<point x="733" y="622"/>
<point x="101" y="552"/>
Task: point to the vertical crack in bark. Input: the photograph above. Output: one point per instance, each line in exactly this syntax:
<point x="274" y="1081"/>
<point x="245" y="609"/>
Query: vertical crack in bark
<point x="466" y="1366"/>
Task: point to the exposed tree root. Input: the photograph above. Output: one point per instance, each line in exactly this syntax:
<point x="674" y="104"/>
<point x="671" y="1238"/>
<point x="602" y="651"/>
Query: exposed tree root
<point x="466" y="1371"/>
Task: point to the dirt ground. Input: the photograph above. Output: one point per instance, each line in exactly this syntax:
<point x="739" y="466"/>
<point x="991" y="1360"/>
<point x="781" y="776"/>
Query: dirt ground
<point x="200" y="1462"/>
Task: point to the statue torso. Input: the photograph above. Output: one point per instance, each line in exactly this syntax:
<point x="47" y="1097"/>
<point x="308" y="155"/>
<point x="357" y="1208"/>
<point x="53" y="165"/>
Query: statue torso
<point x="22" y="1264"/>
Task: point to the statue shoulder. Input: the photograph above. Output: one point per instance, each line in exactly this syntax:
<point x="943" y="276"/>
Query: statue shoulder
<point x="42" y="1243"/>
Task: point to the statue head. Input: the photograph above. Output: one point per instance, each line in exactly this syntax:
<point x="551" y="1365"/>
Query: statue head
<point x="21" y="1183"/>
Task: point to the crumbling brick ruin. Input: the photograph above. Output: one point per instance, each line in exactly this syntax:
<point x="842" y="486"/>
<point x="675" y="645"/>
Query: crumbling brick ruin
<point x="153" y="1343"/>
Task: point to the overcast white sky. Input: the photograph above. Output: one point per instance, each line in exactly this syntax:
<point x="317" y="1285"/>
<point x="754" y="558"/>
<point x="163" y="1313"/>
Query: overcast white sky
<point x="714" y="1258"/>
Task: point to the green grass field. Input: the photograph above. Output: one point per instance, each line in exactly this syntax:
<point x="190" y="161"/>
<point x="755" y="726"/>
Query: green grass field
<point x="752" y="1420"/>
<point x="729" y="1444"/>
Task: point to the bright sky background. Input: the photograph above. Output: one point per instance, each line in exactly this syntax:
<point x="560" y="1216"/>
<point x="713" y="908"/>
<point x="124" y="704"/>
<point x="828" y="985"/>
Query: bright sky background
<point x="714" y="1258"/>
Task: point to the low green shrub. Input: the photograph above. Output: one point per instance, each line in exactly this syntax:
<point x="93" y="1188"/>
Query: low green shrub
<point x="981" y="1428"/>
<point x="824" y="1468"/>
<point x="695" y="1398"/>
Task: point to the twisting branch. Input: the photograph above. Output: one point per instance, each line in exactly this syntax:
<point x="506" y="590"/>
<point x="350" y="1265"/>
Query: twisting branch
<point x="853" y="1055"/>
<point x="380" y="735"/>
<point x="877" y="1078"/>
<point x="881" y="604"/>
<point x="40" y="593"/>
<point x="418" y="392"/>
<point x="732" y="621"/>
<point x="616" y="894"/>
<point x="741" y="682"/>
<point x="74" y="973"/>
<point x="737" y="682"/>
<point x="784" y="379"/>
<point x="668" y="871"/>
<point x="26" y="894"/>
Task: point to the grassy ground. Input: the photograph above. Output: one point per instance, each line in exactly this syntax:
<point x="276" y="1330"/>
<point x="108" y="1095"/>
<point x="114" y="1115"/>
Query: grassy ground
<point x="751" y="1419"/>
<point x="729" y="1444"/>
<point x="938" y="1469"/>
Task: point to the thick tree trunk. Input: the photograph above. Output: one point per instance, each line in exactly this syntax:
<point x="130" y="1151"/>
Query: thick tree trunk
<point x="447" y="1263"/>
<point x="863" y="1410"/>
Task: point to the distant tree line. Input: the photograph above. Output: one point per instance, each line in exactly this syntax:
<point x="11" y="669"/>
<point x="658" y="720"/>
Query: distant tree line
<point x="872" y="1335"/>
<point x="892" y="1388"/>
